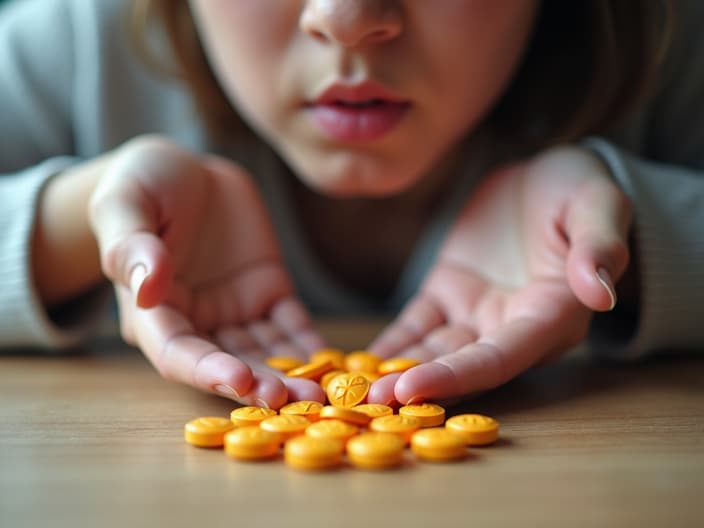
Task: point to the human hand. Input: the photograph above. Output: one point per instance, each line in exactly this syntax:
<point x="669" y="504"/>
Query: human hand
<point x="200" y="283"/>
<point x="538" y="246"/>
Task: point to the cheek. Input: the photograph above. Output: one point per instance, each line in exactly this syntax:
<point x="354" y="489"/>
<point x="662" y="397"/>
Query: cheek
<point x="482" y="46"/>
<point x="246" y="43"/>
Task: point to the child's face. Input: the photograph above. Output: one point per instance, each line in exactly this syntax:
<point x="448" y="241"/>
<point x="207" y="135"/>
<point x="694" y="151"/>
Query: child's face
<point x="362" y="97"/>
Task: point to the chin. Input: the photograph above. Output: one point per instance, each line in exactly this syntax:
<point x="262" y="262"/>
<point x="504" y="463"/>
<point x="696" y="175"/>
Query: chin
<point x="357" y="180"/>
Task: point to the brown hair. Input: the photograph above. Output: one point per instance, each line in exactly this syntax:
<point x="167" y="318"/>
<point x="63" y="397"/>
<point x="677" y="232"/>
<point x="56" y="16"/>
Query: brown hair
<point x="589" y="64"/>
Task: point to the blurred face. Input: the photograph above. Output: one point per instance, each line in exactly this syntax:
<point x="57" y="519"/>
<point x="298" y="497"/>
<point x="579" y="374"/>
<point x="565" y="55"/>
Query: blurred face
<point x="363" y="97"/>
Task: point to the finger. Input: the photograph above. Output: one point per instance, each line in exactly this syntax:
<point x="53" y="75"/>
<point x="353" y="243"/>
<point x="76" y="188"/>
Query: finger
<point x="125" y="223"/>
<point x="300" y="389"/>
<point x="597" y="222"/>
<point x="420" y="352"/>
<point x="293" y="320"/>
<point x="273" y="341"/>
<point x="417" y="319"/>
<point x="486" y="364"/>
<point x="382" y="390"/>
<point x="447" y="339"/>
<point x="169" y="341"/>
<point x="239" y="342"/>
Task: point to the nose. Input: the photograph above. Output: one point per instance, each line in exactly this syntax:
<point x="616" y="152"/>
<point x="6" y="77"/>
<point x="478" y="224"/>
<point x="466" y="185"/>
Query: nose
<point x="352" y="23"/>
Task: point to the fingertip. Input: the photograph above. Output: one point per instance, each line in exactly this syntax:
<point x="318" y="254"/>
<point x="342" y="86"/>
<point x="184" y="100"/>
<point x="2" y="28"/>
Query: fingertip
<point x="382" y="390"/>
<point x="430" y="380"/>
<point x="224" y="374"/>
<point x="267" y="391"/>
<point x="300" y="389"/>
<point x="594" y="287"/>
<point x="156" y="281"/>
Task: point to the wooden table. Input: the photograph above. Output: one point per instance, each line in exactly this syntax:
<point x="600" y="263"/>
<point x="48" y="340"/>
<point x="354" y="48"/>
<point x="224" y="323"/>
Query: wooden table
<point x="95" y="439"/>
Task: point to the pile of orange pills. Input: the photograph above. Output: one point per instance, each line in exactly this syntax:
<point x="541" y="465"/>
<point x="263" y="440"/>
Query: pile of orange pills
<point x="318" y="437"/>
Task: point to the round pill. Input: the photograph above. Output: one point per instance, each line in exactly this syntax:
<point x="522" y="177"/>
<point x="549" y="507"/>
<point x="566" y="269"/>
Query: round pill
<point x="397" y="364"/>
<point x="283" y="363"/>
<point x="371" y="376"/>
<point x="305" y="452"/>
<point x="252" y="443"/>
<point x="325" y="379"/>
<point x="476" y="429"/>
<point x="335" y="355"/>
<point x="375" y="450"/>
<point x="429" y="414"/>
<point x="347" y="390"/>
<point x="332" y="428"/>
<point x="208" y="431"/>
<point x="309" y="409"/>
<point x="362" y="361"/>
<point x="250" y="415"/>
<point x="437" y="444"/>
<point x="346" y="415"/>
<point x="402" y="426"/>
<point x="286" y="425"/>
<point x="374" y="409"/>
<point x="311" y="371"/>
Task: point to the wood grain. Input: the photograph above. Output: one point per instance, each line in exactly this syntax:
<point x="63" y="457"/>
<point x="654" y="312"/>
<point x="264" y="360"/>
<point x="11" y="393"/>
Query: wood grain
<point x="95" y="439"/>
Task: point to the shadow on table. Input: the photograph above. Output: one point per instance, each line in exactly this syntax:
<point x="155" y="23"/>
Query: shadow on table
<point x="578" y="376"/>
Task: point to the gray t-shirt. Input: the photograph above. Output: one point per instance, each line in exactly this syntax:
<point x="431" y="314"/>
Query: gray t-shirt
<point x="72" y="88"/>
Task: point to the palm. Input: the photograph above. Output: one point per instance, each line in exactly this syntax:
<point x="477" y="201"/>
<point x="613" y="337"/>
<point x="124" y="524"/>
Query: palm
<point x="498" y="299"/>
<point x="506" y="258"/>
<point x="217" y="296"/>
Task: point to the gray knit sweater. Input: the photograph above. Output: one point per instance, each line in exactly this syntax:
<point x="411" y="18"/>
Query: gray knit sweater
<point x="71" y="89"/>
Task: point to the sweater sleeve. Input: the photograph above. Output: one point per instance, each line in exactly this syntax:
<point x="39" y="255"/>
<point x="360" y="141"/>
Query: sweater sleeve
<point x="36" y="104"/>
<point x="24" y="321"/>
<point x="669" y="229"/>
<point x="658" y="160"/>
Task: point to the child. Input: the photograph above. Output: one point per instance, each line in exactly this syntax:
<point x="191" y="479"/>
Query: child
<point x="468" y="165"/>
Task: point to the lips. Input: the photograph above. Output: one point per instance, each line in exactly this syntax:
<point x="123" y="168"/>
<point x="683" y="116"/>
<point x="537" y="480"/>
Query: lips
<point x="357" y="113"/>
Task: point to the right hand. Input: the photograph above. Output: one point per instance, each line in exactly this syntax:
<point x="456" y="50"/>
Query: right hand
<point x="200" y="282"/>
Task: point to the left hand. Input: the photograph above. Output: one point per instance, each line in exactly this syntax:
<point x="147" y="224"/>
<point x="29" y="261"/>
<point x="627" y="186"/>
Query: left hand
<point x="538" y="246"/>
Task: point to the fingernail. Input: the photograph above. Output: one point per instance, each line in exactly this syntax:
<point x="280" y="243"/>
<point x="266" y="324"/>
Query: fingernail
<point x="261" y="403"/>
<point x="415" y="399"/>
<point x="139" y="273"/>
<point x="604" y="278"/>
<point x="226" y="391"/>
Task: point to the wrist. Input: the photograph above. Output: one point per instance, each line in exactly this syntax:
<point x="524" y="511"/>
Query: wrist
<point x="64" y="254"/>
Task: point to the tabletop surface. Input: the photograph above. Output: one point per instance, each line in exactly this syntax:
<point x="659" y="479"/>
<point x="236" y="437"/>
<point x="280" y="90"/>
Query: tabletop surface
<point x="96" y="439"/>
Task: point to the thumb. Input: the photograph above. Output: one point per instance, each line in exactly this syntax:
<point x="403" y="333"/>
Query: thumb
<point x="125" y="223"/>
<point x="597" y="222"/>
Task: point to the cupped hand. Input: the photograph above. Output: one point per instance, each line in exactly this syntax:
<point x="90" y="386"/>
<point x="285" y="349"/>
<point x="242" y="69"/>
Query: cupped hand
<point x="201" y="286"/>
<point x="537" y="248"/>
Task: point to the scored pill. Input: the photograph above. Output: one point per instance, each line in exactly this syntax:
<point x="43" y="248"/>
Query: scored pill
<point x="429" y="414"/>
<point x="347" y="390"/>
<point x="309" y="409"/>
<point x="476" y="429"/>
<point x="286" y="425"/>
<point x="250" y="415"/>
